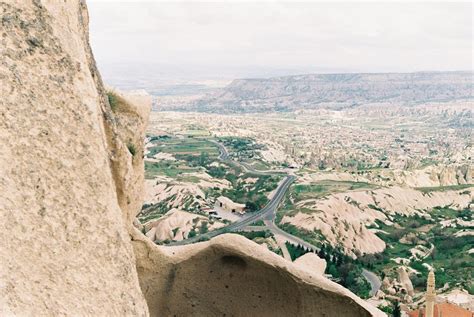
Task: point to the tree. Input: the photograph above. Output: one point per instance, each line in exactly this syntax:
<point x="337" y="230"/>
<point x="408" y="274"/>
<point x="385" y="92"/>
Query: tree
<point x="251" y="206"/>
<point x="396" y="310"/>
<point x="203" y="158"/>
<point x="203" y="229"/>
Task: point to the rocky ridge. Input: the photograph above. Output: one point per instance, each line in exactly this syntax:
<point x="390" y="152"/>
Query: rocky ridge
<point x="338" y="91"/>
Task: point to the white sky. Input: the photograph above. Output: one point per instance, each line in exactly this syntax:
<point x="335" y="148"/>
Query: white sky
<point x="197" y="40"/>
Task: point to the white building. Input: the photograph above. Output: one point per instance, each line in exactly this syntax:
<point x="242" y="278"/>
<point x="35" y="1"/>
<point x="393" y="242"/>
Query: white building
<point x="226" y="204"/>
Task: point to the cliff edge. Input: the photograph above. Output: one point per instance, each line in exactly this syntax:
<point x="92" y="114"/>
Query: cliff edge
<point x="65" y="247"/>
<point x="71" y="183"/>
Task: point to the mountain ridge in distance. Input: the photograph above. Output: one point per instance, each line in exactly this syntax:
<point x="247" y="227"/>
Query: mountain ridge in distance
<point x="314" y="91"/>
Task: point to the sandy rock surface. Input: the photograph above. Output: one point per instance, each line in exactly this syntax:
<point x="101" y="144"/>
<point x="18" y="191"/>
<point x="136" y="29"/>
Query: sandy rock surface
<point x="176" y="225"/>
<point x="65" y="249"/>
<point x="312" y="263"/>
<point x="230" y="275"/>
<point x="404" y="279"/>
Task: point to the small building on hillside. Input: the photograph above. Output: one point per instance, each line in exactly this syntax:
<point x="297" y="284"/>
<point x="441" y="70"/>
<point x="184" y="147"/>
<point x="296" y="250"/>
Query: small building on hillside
<point x="227" y="204"/>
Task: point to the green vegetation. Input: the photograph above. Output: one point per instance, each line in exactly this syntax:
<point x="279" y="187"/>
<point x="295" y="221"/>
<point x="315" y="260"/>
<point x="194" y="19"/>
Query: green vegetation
<point x="203" y="229"/>
<point x="113" y="100"/>
<point x="444" y="188"/>
<point x="260" y="237"/>
<point x="184" y="146"/>
<point x="326" y="187"/>
<point x="386" y="309"/>
<point x="258" y="223"/>
<point x="449" y="255"/>
<point x="167" y="168"/>
<point x="131" y="148"/>
<point x="314" y="237"/>
<point x="154" y="211"/>
<point x="345" y="270"/>
<point x="197" y="154"/>
<point x="241" y="148"/>
<point x="256" y="197"/>
<point x="396" y="310"/>
<point x="295" y="251"/>
<point x="118" y="103"/>
<point x="251" y="235"/>
<point x="258" y="164"/>
<point x="360" y="165"/>
<point x="424" y="162"/>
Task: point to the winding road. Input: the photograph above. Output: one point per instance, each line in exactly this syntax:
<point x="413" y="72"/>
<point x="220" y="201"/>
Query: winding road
<point x="269" y="208"/>
<point x="268" y="215"/>
<point x="373" y="280"/>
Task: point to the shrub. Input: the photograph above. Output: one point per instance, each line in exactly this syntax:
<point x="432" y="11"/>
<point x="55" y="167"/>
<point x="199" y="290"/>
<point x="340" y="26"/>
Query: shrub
<point x="118" y="103"/>
<point x="203" y="229"/>
<point x="295" y="251"/>
<point x="192" y="233"/>
<point x="256" y="234"/>
<point x="113" y="100"/>
<point x="132" y="149"/>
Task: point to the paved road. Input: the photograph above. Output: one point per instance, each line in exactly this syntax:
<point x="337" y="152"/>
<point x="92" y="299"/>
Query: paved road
<point x="269" y="208"/>
<point x="289" y="237"/>
<point x="374" y="281"/>
<point x="267" y="212"/>
<point x="224" y="156"/>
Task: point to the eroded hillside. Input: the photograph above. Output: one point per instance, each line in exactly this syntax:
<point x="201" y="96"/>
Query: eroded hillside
<point x="376" y="187"/>
<point x="336" y="91"/>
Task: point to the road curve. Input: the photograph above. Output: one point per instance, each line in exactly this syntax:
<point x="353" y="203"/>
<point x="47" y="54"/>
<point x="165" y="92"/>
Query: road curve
<point x="373" y="280"/>
<point x="267" y="212"/>
<point x="269" y="208"/>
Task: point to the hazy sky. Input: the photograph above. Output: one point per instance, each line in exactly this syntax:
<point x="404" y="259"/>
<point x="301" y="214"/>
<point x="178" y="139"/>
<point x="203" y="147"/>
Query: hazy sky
<point x="193" y="39"/>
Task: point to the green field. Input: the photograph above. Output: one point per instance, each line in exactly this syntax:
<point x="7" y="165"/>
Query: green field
<point x="198" y="154"/>
<point x="185" y="145"/>
<point x="326" y="187"/>
<point x="171" y="169"/>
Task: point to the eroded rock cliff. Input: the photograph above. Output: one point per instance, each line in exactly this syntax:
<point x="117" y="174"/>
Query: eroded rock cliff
<point x="71" y="183"/>
<point x="65" y="248"/>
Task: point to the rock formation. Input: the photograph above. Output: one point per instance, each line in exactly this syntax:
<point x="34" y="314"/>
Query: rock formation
<point x="71" y="183"/>
<point x="65" y="247"/>
<point x="176" y="225"/>
<point x="312" y="263"/>
<point x="405" y="281"/>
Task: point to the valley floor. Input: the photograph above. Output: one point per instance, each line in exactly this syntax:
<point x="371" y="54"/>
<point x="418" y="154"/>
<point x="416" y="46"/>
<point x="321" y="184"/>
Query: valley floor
<point x="381" y="204"/>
